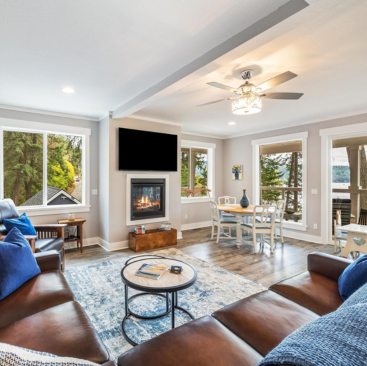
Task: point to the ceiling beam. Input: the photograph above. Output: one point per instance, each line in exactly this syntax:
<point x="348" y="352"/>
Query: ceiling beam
<point x="140" y="101"/>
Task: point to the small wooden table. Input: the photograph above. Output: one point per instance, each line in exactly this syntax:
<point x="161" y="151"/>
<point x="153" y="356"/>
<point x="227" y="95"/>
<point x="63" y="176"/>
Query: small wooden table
<point x="169" y="283"/>
<point x="356" y="239"/>
<point x="79" y="236"/>
<point x="240" y="213"/>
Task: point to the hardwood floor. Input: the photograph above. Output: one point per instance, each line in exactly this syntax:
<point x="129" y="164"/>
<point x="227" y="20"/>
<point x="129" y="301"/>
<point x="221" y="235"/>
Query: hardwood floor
<point x="266" y="268"/>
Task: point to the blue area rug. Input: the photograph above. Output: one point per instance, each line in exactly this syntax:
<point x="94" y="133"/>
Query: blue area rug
<point x="100" y="291"/>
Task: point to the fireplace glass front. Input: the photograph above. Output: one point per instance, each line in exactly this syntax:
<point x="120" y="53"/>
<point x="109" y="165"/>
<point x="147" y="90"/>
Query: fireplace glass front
<point x="147" y="198"/>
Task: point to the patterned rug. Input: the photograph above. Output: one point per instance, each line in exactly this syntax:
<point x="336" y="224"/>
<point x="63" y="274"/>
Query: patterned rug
<point x="100" y="291"/>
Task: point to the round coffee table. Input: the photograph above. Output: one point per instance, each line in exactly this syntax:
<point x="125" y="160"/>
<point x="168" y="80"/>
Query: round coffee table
<point x="169" y="283"/>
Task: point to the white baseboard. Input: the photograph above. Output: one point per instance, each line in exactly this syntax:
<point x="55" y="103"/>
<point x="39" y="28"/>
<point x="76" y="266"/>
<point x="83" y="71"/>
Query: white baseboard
<point x="196" y="225"/>
<point x="111" y="247"/>
<point x="179" y="235"/>
<point x="86" y="243"/>
<point x="302" y="236"/>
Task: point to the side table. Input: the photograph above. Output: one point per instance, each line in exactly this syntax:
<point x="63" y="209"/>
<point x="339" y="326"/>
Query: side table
<point x="79" y="236"/>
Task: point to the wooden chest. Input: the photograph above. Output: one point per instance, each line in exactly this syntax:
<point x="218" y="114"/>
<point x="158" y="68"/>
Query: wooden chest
<point x="152" y="239"/>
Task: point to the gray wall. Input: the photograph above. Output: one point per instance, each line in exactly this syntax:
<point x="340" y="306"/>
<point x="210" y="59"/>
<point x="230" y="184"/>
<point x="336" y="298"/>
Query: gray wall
<point x="91" y="226"/>
<point x="115" y="220"/>
<point x="199" y="212"/>
<point x="239" y="151"/>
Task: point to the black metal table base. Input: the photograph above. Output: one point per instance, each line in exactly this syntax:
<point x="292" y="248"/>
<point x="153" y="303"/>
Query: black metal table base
<point x="170" y="308"/>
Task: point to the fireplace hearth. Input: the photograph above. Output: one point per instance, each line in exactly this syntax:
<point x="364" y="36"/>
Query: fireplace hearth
<point x="147" y="198"/>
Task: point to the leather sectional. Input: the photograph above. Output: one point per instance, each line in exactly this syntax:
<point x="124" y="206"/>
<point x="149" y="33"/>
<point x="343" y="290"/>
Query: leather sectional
<point x="42" y="315"/>
<point x="241" y="334"/>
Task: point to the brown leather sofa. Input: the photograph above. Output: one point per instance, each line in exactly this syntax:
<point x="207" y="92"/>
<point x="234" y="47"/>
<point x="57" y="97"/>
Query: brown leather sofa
<point x="42" y="315"/>
<point x="242" y="333"/>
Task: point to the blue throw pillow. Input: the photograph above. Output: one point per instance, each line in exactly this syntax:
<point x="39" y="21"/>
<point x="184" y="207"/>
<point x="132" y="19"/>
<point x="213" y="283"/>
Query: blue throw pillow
<point x="353" y="277"/>
<point x="17" y="262"/>
<point x="22" y="223"/>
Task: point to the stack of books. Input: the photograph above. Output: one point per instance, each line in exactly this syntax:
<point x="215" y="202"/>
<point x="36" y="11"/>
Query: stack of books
<point x="153" y="271"/>
<point x="139" y="229"/>
<point x="166" y="226"/>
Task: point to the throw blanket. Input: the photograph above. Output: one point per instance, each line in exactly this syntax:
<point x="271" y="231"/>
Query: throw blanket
<point x="336" y="339"/>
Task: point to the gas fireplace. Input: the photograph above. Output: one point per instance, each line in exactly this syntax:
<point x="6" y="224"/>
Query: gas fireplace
<point x="147" y="199"/>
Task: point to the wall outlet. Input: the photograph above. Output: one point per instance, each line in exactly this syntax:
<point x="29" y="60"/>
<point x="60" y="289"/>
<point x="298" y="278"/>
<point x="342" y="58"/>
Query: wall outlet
<point x="314" y="191"/>
<point x="186" y="217"/>
<point x="315" y="226"/>
<point x="94" y="192"/>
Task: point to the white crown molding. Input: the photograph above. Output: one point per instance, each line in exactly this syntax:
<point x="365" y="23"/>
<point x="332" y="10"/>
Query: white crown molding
<point x="202" y="135"/>
<point x="48" y="113"/>
<point x="135" y="116"/>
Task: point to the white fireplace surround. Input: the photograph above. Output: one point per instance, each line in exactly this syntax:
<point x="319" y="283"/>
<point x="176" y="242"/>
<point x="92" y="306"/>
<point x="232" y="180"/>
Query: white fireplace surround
<point x="128" y="198"/>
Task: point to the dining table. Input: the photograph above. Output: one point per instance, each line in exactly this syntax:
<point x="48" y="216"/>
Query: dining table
<point x="240" y="213"/>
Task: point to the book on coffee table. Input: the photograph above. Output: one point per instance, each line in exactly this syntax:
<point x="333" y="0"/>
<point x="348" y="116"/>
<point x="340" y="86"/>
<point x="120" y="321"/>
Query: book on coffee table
<point x="153" y="271"/>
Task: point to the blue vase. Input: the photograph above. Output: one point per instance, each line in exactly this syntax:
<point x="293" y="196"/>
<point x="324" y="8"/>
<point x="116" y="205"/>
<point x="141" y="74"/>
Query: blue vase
<point x="236" y="174"/>
<point x="244" y="201"/>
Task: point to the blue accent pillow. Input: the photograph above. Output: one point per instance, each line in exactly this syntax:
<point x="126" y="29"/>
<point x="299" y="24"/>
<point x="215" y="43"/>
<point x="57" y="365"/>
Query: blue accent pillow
<point x="22" y="223"/>
<point x="353" y="277"/>
<point x="17" y="263"/>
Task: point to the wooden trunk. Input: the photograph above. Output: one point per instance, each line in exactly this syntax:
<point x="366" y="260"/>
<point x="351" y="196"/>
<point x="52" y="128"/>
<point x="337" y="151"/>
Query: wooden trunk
<point x="152" y="239"/>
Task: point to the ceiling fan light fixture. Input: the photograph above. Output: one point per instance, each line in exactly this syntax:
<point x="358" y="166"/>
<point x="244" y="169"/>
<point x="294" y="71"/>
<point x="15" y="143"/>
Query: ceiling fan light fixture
<point x="247" y="104"/>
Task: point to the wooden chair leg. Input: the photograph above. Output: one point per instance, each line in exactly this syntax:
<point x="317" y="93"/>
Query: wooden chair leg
<point x="218" y="233"/>
<point x="272" y="241"/>
<point x="212" y="230"/>
<point x="63" y="258"/>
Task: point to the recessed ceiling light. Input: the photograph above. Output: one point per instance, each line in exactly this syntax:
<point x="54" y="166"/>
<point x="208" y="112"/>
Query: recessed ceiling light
<point x="231" y="123"/>
<point x="68" y="90"/>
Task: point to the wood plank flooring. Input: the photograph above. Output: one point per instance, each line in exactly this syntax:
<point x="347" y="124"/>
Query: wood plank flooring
<point x="287" y="260"/>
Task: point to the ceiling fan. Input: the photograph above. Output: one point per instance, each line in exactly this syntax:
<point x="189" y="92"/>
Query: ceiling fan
<point x="248" y="96"/>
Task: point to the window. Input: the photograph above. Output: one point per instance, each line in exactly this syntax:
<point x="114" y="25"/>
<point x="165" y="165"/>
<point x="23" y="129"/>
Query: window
<point x="197" y="170"/>
<point x="43" y="169"/>
<point x="280" y="173"/>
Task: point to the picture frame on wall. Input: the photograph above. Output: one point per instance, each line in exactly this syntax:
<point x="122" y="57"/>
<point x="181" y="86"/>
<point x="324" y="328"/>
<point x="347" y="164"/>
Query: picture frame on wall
<point x="237" y="172"/>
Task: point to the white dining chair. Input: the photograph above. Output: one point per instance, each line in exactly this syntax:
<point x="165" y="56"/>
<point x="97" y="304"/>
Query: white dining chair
<point x="227" y="200"/>
<point x="263" y="220"/>
<point x="220" y="222"/>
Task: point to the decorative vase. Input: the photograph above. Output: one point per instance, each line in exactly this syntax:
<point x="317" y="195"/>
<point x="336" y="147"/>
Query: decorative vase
<point x="236" y="175"/>
<point x="244" y="201"/>
<point x="71" y="216"/>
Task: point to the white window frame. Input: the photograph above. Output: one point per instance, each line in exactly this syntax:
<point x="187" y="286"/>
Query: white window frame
<point x="7" y="124"/>
<point x="327" y="136"/>
<point x="256" y="172"/>
<point x="211" y="169"/>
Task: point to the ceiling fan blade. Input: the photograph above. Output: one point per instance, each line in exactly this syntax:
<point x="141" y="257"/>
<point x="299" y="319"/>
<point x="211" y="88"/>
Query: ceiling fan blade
<point x="221" y="86"/>
<point x="287" y="96"/>
<point x="215" y="101"/>
<point x="276" y="80"/>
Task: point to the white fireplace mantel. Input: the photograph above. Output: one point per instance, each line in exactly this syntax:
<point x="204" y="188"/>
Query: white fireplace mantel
<point x="128" y="198"/>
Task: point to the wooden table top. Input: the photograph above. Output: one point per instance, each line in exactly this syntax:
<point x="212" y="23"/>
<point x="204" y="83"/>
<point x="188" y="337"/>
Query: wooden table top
<point x="67" y="221"/>
<point x="236" y="208"/>
<point x="167" y="281"/>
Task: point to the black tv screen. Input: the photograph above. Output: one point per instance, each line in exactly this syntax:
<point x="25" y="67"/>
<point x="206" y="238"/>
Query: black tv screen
<point x="148" y="151"/>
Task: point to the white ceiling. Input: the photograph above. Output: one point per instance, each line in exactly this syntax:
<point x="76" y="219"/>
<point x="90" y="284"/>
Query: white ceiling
<point x="328" y="52"/>
<point x="111" y="51"/>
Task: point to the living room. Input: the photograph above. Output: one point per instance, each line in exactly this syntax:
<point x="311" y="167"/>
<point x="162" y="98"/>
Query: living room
<point x="183" y="183"/>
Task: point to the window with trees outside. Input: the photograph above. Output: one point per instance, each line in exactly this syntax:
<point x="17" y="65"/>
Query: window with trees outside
<point x="42" y="169"/>
<point x="281" y="177"/>
<point x="194" y="172"/>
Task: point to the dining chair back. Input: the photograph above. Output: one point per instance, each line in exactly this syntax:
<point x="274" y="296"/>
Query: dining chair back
<point x="220" y="222"/>
<point x="227" y="200"/>
<point x="362" y="217"/>
<point x="263" y="220"/>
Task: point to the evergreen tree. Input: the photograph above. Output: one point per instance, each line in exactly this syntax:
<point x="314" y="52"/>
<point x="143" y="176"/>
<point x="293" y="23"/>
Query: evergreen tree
<point x="270" y="176"/>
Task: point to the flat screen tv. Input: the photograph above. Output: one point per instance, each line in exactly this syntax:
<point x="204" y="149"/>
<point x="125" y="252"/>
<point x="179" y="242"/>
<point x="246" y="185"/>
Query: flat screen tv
<point x="147" y="151"/>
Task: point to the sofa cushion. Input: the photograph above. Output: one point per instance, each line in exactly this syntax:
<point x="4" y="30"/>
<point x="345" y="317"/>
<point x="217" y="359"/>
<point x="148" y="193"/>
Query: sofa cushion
<point x="263" y="320"/>
<point x="318" y="293"/>
<point x="63" y="330"/>
<point x="22" y="223"/>
<point x="39" y="293"/>
<point x="12" y="355"/>
<point x="353" y="277"/>
<point x="46" y="244"/>
<point x="17" y="263"/>
<point x="204" y="342"/>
